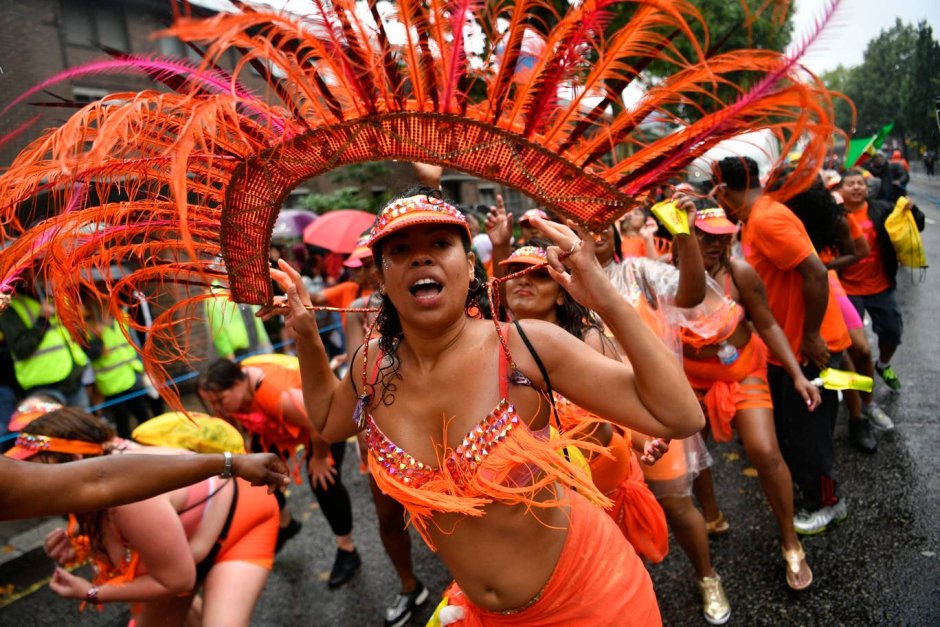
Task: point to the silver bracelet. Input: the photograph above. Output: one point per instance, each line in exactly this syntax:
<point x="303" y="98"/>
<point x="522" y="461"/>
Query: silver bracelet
<point x="227" y="469"/>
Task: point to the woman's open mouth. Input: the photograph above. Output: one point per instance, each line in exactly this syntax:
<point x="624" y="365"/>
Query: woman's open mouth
<point x="425" y="290"/>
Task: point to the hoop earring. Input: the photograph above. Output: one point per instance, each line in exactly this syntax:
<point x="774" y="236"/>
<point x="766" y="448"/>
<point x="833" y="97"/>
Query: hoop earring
<point x="475" y="284"/>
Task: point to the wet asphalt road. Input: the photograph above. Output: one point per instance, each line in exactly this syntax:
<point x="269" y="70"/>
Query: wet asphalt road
<point x="879" y="567"/>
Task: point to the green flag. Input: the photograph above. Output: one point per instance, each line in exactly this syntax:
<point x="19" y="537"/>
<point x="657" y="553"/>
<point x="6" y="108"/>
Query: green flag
<point x="864" y="145"/>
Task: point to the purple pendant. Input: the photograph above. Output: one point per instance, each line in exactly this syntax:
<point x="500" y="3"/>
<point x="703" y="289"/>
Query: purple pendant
<point x="359" y="414"/>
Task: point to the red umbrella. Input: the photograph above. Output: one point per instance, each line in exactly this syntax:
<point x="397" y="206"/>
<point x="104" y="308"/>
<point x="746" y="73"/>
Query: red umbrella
<point x="338" y="230"/>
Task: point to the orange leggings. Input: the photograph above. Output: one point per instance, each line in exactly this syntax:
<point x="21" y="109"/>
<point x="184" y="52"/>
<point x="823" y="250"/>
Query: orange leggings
<point x="253" y="532"/>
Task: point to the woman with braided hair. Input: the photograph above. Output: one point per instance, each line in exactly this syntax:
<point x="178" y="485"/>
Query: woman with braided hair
<point x="489" y="495"/>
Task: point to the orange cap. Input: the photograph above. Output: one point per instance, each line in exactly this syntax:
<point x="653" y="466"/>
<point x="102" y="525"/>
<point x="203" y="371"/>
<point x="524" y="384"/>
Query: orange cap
<point x="412" y="211"/>
<point x="527" y="255"/>
<point x="713" y="220"/>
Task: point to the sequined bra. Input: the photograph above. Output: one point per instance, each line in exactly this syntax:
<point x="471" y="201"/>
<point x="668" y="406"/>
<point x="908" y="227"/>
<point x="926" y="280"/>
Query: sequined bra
<point x="499" y="460"/>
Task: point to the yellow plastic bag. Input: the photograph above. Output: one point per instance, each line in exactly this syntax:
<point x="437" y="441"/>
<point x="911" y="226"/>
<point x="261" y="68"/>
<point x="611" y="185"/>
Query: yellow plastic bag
<point x="572" y="453"/>
<point x="197" y="432"/>
<point x="287" y="361"/>
<point x="902" y="229"/>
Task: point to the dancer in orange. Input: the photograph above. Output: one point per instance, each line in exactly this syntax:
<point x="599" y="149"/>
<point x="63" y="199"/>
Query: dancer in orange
<point x="219" y="534"/>
<point x="488" y="494"/>
<point x="265" y="399"/>
<point x="729" y="373"/>
<point x="618" y="476"/>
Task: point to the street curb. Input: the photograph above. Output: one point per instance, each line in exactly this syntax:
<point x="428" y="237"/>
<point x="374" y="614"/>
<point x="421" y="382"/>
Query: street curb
<point x="27" y="541"/>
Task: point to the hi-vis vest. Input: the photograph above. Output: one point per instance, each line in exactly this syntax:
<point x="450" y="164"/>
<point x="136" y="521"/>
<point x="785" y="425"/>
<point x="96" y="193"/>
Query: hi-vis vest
<point x="117" y="367"/>
<point x="227" y="325"/>
<point x="56" y="356"/>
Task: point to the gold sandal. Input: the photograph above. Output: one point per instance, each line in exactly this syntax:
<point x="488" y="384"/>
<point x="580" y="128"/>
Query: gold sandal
<point x="718" y="526"/>
<point x="795" y="558"/>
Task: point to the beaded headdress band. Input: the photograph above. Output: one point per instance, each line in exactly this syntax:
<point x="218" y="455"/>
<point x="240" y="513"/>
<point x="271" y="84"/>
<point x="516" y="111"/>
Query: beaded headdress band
<point x="29" y="444"/>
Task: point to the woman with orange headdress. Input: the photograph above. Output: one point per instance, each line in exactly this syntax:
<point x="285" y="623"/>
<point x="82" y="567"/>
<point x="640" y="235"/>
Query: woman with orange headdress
<point x="729" y="372"/>
<point x="534" y="294"/>
<point x="493" y="496"/>
<point x="155" y="553"/>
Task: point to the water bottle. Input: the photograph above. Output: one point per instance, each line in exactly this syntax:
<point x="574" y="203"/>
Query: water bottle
<point x="727" y="354"/>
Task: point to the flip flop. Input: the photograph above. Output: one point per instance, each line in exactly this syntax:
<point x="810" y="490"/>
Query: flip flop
<point x="795" y="558"/>
<point x="718" y="526"/>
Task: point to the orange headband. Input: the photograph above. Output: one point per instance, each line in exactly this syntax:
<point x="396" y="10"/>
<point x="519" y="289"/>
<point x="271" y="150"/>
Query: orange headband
<point x="29" y="444"/>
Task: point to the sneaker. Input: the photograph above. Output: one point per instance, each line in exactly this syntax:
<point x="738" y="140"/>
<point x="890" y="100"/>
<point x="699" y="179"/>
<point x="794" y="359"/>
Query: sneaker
<point x="810" y="523"/>
<point x="286" y="533"/>
<point x="715" y="606"/>
<point x="345" y="565"/>
<point x="889" y="376"/>
<point x="878" y="418"/>
<point x="399" y="612"/>
<point x="860" y="432"/>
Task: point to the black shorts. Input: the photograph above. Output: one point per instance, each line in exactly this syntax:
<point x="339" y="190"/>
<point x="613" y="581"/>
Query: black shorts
<point x="885" y="315"/>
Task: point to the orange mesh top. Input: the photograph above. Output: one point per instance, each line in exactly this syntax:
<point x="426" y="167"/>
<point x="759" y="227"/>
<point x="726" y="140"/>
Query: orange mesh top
<point x="500" y="460"/>
<point x="266" y="420"/>
<point x="730" y="317"/>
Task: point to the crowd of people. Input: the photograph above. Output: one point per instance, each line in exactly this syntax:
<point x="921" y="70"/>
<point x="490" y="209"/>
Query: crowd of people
<point x="601" y="363"/>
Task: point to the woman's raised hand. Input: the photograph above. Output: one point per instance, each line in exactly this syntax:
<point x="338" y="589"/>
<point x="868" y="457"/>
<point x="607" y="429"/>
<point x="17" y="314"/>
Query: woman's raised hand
<point x="571" y="262"/>
<point x="298" y="319"/>
<point x="499" y="223"/>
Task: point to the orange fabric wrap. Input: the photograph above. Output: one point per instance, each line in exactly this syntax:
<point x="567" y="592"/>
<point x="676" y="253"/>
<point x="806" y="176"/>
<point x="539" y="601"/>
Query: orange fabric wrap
<point x="636" y="511"/>
<point x="598" y="580"/>
<point x="721" y="384"/>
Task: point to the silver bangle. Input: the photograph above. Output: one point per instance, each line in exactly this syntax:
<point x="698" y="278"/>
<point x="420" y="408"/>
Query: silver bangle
<point x="227" y="469"/>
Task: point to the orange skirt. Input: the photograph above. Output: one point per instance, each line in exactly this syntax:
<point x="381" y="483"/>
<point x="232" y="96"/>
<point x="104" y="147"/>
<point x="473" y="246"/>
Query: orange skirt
<point x="598" y="580"/>
<point x="636" y="511"/>
<point x="719" y="386"/>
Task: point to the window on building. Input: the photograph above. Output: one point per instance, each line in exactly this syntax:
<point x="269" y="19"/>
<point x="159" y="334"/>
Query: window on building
<point x="487" y="196"/>
<point x="84" y="95"/>
<point x="173" y="47"/>
<point x="514" y="200"/>
<point x="101" y="23"/>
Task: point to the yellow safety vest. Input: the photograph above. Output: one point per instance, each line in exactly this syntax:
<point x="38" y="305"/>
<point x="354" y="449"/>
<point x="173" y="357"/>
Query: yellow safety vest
<point x="56" y="356"/>
<point x="117" y="367"/>
<point x="228" y="328"/>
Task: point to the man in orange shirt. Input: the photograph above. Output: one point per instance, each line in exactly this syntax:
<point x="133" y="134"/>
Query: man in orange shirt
<point x="776" y="244"/>
<point x="870" y="283"/>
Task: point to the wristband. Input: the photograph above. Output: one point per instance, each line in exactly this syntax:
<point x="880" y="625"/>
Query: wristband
<point x="227" y="469"/>
<point x="92" y="596"/>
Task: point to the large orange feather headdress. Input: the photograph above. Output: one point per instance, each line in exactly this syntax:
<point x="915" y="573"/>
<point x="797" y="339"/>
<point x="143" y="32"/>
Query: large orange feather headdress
<point x="174" y="178"/>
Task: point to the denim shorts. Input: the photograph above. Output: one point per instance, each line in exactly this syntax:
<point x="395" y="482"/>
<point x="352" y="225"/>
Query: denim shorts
<point x="885" y="314"/>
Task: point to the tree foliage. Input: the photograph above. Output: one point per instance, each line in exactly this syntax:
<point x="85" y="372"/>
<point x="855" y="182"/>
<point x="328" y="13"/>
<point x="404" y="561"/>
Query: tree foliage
<point x="897" y="80"/>
<point x="355" y="194"/>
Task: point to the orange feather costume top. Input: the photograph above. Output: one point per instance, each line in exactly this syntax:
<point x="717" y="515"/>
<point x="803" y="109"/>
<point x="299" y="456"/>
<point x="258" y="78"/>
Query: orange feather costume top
<point x="169" y="181"/>
<point x="499" y="460"/>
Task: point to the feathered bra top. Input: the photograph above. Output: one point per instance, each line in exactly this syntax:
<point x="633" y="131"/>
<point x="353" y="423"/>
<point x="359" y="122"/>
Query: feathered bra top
<point x="170" y="179"/>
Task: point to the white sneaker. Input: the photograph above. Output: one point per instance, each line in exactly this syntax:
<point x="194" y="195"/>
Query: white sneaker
<point x="878" y="418"/>
<point x="810" y="523"/>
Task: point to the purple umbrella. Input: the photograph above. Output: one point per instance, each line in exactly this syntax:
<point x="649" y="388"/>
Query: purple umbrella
<point x="291" y="223"/>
